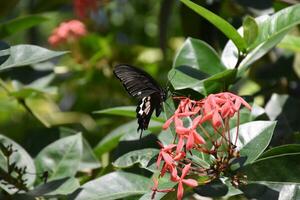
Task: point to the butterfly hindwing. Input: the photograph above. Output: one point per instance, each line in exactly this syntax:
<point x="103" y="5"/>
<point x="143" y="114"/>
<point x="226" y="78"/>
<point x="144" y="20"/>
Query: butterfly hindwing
<point x="141" y="85"/>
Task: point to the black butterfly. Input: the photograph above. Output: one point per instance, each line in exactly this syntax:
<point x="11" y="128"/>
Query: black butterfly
<point x="141" y="85"/>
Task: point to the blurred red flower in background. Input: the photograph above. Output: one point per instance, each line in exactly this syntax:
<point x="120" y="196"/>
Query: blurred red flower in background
<point x="67" y="31"/>
<point x="82" y="8"/>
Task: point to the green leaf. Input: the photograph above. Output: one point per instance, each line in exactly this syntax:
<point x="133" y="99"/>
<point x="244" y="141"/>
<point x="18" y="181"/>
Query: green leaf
<point x="246" y="115"/>
<point x="272" y="30"/>
<point x="281" y="108"/>
<point x="250" y="29"/>
<point x="290" y="42"/>
<point x="60" y="158"/>
<point x="219" y="23"/>
<point x="46" y="110"/>
<point x="184" y="77"/>
<point x="284" y="149"/>
<point x="270" y="190"/>
<point x="19" y="24"/>
<point x="142" y="156"/>
<point x="253" y="138"/>
<point x="198" y="55"/>
<point x="124" y="132"/>
<point x="279" y="168"/>
<point x="21" y="55"/>
<point x="88" y="160"/>
<point x="127" y="111"/>
<point x="21" y="158"/>
<point x="55" y="188"/>
<point x="115" y="185"/>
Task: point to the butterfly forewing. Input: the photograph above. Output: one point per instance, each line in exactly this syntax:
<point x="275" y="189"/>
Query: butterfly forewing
<point x="137" y="82"/>
<point x="141" y="85"/>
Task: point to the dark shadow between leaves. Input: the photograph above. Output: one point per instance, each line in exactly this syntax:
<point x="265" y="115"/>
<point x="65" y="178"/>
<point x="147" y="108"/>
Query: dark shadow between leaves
<point x="3" y="46"/>
<point x="192" y="72"/>
<point x="237" y="163"/>
<point x="152" y="160"/>
<point x="41" y="190"/>
<point x="259" y="192"/>
<point x="74" y="194"/>
<point x="216" y="188"/>
<point x="48" y="187"/>
<point x="149" y="141"/>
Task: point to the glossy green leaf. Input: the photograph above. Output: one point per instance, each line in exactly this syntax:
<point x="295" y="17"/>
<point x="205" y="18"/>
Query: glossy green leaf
<point x="272" y="30"/>
<point x="253" y="138"/>
<point x="89" y="160"/>
<point x="142" y="157"/>
<point x="281" y="108"/>
<point x="127" y="111"/>
<point x="250" y="29"/>
<point x="198" y="55"/>
<point x="19" y="24"/>
<point x="21" y="55"/>
<point x="219" y="23"/>
<point x="55" y="188"/>
<point x="279" y="150"/>
<point x="126" y="131"/>
<point x="60" y="158"/>
<point x="188" y="78"/>
<point x="270" y="190"/>
<point x="290" y="42"/>
<point x="279" y="168"/>
<point x="246" y="115"/>
<point x="115" y="185"/>
<point x="21" y="158"/>
<point x="46" y="110"/>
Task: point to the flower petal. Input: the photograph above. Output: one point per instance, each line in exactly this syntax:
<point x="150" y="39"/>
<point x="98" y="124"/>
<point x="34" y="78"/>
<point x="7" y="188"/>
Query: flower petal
<point x="180" y="191"/>
<point x="185" y="170"/>
<point x="167" y="158"/>
<point x="198" y="138"/>
<point x="168" y="123"/>
<point x="180" y="144"/>
<point x="190" y="141"/>
<point x="190" y="182"/>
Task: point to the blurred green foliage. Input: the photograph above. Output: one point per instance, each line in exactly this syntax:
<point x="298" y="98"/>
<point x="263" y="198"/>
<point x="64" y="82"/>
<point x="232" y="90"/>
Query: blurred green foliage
<point x="42" y="101"/>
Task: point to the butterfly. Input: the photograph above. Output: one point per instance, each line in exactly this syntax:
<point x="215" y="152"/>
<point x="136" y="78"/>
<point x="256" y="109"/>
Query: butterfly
<point x="142" y="86"/>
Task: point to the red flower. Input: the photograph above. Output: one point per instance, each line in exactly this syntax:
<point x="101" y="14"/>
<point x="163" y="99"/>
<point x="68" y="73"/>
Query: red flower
<point x="83" y="7"/>
<point x="181" y="180"/>
<point x="165" y="154"/>
<point x="217" y="107"/>
<point x="190" y="133"/>
<point x="67" y="31"/>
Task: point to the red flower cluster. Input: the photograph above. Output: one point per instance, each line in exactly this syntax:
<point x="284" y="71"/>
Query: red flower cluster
<point x="67" y="31"/>
<point x="83" y="7"/>
<point x="215" y="110"/>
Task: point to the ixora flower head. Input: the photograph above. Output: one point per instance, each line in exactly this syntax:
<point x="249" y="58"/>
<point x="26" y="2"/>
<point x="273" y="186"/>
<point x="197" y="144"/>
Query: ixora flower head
<point x="192" y="121"/>
<point x="67" y="31"/>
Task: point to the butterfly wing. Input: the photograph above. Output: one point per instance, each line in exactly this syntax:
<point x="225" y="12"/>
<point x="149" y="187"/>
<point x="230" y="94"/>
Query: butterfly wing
<point x="141" y="85"/>
<point x="137" y="82"/>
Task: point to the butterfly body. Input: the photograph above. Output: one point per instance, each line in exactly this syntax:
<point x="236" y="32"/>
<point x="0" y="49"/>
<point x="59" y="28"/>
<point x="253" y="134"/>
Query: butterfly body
<point x="142" y="86"/>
